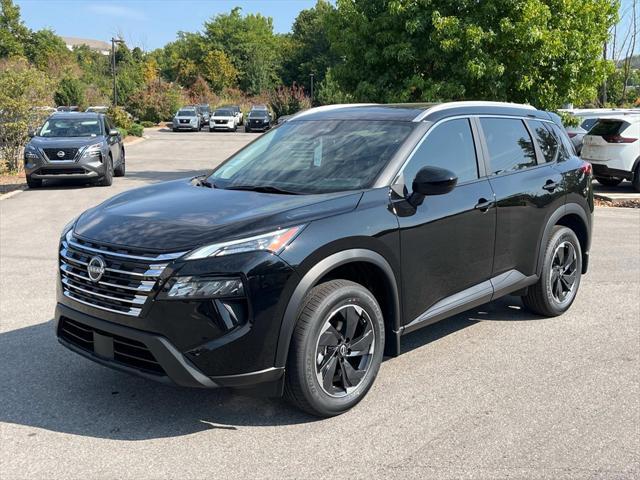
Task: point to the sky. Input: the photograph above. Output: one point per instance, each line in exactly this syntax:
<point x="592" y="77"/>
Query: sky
<point x="147" y="24"/>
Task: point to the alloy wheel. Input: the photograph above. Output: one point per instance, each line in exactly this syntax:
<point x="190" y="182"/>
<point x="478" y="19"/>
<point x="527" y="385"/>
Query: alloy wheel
<point x="344" y="350"/>
<point x="563" y="274"/>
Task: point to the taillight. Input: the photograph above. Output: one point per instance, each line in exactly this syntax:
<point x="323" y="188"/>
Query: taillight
<point x="618" y="139"/>
<point x="586" y="168"/>
<point x="571" y="134"/>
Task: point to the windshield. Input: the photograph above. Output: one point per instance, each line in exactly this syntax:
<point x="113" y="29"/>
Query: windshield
<point x="186" y="113"/>
<point x="71" y="127"/>
<point x="315" y="156"/>
<point x="258" y="115"/>
<point x="223" y="113"/>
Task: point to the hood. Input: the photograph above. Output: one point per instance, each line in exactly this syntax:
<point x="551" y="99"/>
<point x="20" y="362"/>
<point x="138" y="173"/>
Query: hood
<point x="64" y="142"/>
<point x="178" y="216"/>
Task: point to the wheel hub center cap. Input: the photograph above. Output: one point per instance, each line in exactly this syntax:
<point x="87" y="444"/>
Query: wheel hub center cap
<point x="342" y="350"/>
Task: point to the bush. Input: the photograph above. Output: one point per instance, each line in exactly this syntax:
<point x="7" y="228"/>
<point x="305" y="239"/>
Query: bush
<point x="288" y="100"/>
<point x="120" y="117"/>
<point x="123" y="132"/>
<point x="157" y="102"/>
<point x="136" y="130"/>
<point x="148" y="124"/>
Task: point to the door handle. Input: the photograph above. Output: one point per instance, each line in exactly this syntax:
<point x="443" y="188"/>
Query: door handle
<point x="550" y="186"/>
<point x="483" y="204"/>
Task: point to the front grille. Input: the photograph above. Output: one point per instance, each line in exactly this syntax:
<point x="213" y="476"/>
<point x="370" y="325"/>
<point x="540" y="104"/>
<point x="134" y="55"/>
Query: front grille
<point x="221" y="121"/>
<point x="52" y="153"/>
<point x="62" y="171"/>
<point x="126" y="283"/>
<point x="126" y="351"/>
<point x="184" y="121"/>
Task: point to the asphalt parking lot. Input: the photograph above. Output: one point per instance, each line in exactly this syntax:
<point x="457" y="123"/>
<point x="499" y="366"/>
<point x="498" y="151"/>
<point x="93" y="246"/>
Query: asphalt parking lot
<point x="493" y="393"/>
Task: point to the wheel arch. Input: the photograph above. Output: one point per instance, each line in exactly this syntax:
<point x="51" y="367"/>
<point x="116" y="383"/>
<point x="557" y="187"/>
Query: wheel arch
<point x="573" y="216"/>
<point x="353" y="264"/>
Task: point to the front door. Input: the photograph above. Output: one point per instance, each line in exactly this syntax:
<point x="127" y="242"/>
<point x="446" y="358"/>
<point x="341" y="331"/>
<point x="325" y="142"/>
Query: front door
<point x="447" y="243"/>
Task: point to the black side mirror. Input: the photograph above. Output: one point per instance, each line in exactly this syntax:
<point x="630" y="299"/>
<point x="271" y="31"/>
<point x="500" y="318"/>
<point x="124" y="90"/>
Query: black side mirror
<point x="32" y="133"/>
<point x="431" y="181"/>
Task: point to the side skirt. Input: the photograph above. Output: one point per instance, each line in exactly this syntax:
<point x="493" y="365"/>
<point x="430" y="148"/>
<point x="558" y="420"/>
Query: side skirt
<point x="471" y="297"/>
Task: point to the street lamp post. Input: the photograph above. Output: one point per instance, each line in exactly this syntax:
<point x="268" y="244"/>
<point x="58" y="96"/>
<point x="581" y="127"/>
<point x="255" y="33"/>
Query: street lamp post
<point x="113" y="67"/>
<point x="311" y="76"/>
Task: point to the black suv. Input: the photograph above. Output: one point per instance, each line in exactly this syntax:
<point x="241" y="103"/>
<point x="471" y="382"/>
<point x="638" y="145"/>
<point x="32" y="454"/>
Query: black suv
<point x="75" y="146"/>
<point x="301" y="260"/>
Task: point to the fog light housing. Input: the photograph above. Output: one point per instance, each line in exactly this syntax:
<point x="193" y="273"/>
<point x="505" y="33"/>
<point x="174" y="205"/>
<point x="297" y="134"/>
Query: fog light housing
<point x="202" y="287"/>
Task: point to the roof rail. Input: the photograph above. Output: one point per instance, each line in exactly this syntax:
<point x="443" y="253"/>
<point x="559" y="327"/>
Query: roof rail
<point x="327" y="108"/>
<point x="473" y="103"/>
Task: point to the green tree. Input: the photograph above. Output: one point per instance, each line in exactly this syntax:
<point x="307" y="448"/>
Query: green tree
<point x="13" y="33"/>
<point x="22" y="87"/>
<point x="219" y="71"/>
<point x="329" y="91"/>
<point x="545" y="52"/>
<point x="70" y="91"/>
<point x="44" y="47"/>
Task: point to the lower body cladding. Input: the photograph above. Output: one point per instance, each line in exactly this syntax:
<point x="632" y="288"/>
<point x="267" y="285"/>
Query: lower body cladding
<point x="603" y="170"/>
<point x="205" y="343"/>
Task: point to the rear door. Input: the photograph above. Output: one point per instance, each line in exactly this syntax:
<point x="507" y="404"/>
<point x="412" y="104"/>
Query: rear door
<point x="527" y="187"/>
<point x="113" y="141"/>
<point x="447" y="242"/>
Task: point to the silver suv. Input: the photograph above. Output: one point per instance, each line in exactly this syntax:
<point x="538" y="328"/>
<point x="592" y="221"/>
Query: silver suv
<point x="75" y="146"/>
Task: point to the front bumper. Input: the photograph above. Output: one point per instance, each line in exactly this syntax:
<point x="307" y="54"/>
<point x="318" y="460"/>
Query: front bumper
<point x="143" y="354"/>
<point x="73" y="169"/>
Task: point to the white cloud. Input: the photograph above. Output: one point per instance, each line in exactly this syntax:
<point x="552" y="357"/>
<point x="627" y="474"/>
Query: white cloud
<point x="116" y="11"/>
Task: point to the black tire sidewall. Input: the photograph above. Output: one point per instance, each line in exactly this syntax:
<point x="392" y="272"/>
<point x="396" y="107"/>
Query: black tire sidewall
<point x="352" y="294"/>
<point x="560" y="235"/>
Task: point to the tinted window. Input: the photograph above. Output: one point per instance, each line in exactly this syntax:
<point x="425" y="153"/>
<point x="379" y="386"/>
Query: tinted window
<point x="547" y="141"/>
<point x="223" y="113"/>
<point x="588" y="123"/>
<point x="315" y="156"/>
<point x="605" y="127"/>
<point x="71" y="127"/>
<point x="187" y="113"/>
<point x="565" y="146"/>
<point x="509" y="143"/>
<point x="450" y="145"/>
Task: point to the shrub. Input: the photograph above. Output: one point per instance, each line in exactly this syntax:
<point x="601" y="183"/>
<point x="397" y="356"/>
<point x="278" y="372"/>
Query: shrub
<point x="123" y="132"/>
<point x="120" y="117"/>
<point x="136" y="130"/>
<point x="147" y="124"/>
<point x="157" y="102"/>
<point x="288" y="100"/>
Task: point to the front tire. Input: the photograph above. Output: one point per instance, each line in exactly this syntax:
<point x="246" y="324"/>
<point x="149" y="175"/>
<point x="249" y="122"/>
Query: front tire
<point x="34" y="182"/>
<point x="336" y="349"/>
<point x="120" y="170"/>
<point x="636" y="178"/>
<point x="609" y="181"/>
<point x="558" y="285"/>
<point x="107" y="179"/>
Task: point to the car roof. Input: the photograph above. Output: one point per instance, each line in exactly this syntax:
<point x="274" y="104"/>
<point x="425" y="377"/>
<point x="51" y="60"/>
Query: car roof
<point x="416" y="112"/>
<point x="83" y="115"/>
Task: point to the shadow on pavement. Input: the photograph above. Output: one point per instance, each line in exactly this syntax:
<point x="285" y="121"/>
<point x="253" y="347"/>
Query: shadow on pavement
<point x="46" y="386"/>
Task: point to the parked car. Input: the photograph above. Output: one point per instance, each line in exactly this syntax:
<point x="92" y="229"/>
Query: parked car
<point x="303" y="258"/>
<point x="98" y="109"/>
<point x="205" y="111"/>
<point x="236" y="111"/>
<point x="588" y="118"/>
<point x="261" y="108"/>
<point x="75" y="146"/>
<point x="612" y="146"/>
<point x="223" y="119"/>
<point x="187" y="119"/>
<point x="258" y="121"/>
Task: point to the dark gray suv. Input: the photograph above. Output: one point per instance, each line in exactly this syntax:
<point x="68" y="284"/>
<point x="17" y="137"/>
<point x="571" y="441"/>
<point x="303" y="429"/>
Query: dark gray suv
<point x="75" y="146"/>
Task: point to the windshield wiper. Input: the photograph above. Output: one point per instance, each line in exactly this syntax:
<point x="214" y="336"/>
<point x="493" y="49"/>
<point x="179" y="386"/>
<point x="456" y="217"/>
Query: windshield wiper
<point x="202" y="181"/>
<point x="263" y="189"/>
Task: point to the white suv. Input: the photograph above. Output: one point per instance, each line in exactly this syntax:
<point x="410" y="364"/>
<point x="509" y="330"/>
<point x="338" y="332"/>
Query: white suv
<point x="612" y="146"/>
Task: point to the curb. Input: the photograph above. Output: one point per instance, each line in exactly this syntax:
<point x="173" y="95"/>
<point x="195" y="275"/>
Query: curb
<point x="136" y="141"/>
<point x="13" y="193"/>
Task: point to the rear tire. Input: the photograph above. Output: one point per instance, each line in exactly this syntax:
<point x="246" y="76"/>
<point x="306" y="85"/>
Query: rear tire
<point x="120" y="170"/>
<point x="609" y="181"/>
<point x="107" y="179"/>
<point x="336" y="349"/>
<point x="34" y="182"/>
<point x="636" y="178"/>
<point x="561" y="271"/>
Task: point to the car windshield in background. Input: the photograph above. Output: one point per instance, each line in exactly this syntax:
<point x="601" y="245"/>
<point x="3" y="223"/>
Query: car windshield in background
<point x="71" y="127"/>
<point x="258" y="114"/>
<point x="186" y="113"/>
<point x="307" y="157"/>
<point x="223" y="113"/>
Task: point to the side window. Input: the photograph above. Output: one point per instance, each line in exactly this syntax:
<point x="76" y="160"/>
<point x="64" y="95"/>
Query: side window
<point x="107" y="125"/>
<point x="510" y="145"/>
<point x="566" y="147"/>
<point x="450" y="145"/>
<point x="546" y="140"/>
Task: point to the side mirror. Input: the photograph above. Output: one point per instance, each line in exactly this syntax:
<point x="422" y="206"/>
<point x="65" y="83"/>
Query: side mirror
<point x="32" y="133"/>
<point x="431" y="181"/>
<point x="114" y="132"/>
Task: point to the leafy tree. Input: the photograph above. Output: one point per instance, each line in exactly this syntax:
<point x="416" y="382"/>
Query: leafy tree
<point x="22" y="87"/>
<point x="329" y="91"/>
<point x="219" y="71"/>
<point x="199" y="91"/>
<point x="45" y="47"/>
<point x="13" y="33"/>
<point x="158" y="102"/>
<point x="545" y="52"/>
<point x="70" y="92"/>
<point x="311" y="47"/>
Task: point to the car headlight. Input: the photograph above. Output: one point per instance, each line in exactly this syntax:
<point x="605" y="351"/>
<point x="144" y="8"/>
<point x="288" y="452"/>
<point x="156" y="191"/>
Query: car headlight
<point x="31" y="153"/>
<point x="92" y="151"/>
<point x="69" y="226"/>
<point x="203" y="287"/>
<point x="273" y="242"/>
